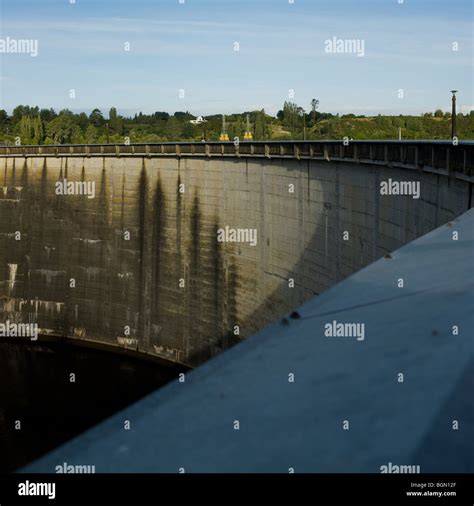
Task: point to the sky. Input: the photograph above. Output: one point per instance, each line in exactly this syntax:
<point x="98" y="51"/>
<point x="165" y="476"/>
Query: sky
<point x="223" y="56"/>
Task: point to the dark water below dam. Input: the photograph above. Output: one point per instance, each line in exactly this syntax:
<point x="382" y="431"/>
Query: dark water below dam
<point x="35" y="389"/>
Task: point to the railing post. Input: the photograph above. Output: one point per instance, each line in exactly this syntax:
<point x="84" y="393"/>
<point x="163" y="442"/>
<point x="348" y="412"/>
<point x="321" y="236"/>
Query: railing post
<point x="177" y="150"/>
<point x="237" y="149"/>
<point x="296" y="151"/>
<point x="117" y="150"/>
<point x="267" y="151"/>
<point x="147" y="150"/>
<point x="88" y="151"/>
<point x="356" y="154"/>
<point x="282" y="149"/>
<point x="326" y="152"/>
<point x="208" y="150"/>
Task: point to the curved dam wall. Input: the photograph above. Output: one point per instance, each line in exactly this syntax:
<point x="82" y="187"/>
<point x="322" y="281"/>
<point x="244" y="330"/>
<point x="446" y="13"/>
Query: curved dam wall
<point x="182" y="257"/>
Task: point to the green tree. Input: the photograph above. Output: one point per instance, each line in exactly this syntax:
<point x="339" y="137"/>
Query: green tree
<point x="82" y="120"/>
<point x="188" y="131"/>
<point x="63" y="129"/>
<point x="26" y="130"/>
<point x="31" y="130"/>
<point x="260" y="127"/>
<point x="47" y="115"/>
<point x="291" y="117"/>
<point x="238" y="128"/>
<point x="91" y="134"/>
<point x="115" y="122"/>
<point x="38" y="130"/>
<point x="24" y="110"/>
<point x="96" y="118"/>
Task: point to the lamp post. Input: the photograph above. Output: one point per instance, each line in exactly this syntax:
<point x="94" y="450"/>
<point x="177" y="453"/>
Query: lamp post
<point x="453" y="114"/>
<point x="302" y="113"/>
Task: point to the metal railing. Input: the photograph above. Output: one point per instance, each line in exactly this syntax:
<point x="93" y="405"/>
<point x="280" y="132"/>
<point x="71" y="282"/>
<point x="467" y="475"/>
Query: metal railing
<point x="437" y="156"/>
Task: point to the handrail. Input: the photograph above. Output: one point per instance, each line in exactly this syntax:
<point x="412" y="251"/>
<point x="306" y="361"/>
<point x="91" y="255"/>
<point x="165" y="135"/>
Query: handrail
<point x="456" y="159"/>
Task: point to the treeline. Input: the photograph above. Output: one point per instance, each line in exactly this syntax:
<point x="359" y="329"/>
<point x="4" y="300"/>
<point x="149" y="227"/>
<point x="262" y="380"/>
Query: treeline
<point x="32" y="125"/>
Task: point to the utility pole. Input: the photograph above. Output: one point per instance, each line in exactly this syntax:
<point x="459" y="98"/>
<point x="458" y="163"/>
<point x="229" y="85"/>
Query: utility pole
<point x="399" y="133"/>
<point x="302" y="112"/>
<point x="107" y="128"/>
<point x="304" y="125"/>
<point x="453" y="114"/>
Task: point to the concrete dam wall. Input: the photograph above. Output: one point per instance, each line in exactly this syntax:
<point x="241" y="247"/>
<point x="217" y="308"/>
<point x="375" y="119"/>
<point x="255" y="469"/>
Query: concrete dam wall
<point x="181" y="257"/>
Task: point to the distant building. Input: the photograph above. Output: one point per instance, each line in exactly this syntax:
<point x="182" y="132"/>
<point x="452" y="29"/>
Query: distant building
<point x="198" y="120"/>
